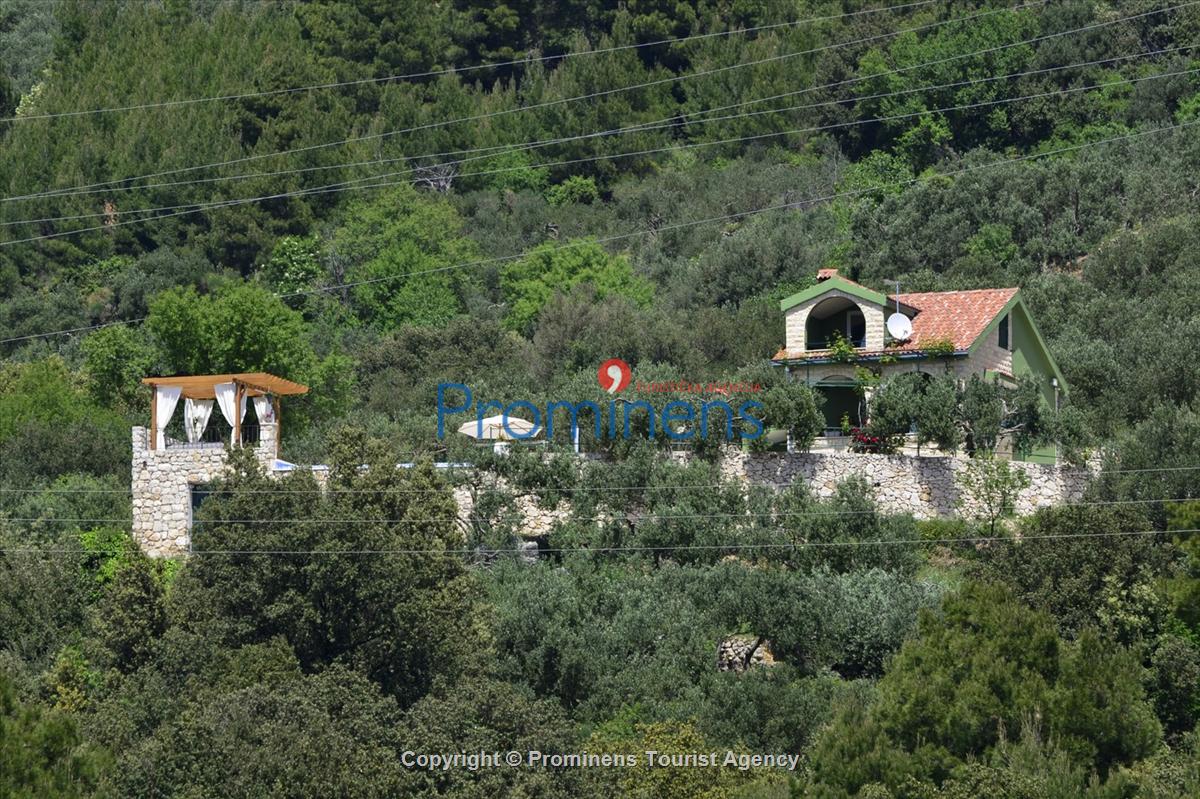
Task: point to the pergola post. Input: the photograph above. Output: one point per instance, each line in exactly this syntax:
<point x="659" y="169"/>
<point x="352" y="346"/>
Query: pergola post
<point x="204" y="387"/>
<point x="278" y="421"/>
<point x="238" y="393"/>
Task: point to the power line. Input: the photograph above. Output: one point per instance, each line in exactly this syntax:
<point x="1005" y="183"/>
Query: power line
<point x="615" y="516"/>
<point x="665" y="122"/>
<point x="680" y="225"/>
<point x="584" y="97"/>
<point x="750" y="212"/>
<point x="467" y="69"/>
<point x="603" y="550"/>
<point x="1083" y="471"/>
<point x="1151" y="469"/>
<point x="357" y="184"/>
<point x="70" y="330"/>
<point x="375" y="491"/>
<point x="350" y="184"/>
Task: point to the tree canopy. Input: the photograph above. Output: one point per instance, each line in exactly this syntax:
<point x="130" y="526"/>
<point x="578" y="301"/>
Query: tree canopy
<point x="377" y="197"/>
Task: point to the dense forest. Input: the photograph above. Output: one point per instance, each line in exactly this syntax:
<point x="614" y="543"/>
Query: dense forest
<point x="374" y="196"/>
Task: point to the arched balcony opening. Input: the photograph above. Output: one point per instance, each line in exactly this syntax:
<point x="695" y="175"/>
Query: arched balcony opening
<point x="834" y="317"/>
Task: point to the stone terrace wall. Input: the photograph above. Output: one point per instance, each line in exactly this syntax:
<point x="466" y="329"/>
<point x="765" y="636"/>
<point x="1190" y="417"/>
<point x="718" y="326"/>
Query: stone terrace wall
<point x="926" y="487"/>
<point x="162" y="488"/>
<point x="536" y="521"/>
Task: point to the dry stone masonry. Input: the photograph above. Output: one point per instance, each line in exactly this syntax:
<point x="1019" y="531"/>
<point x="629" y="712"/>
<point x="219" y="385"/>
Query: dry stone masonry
<point x="536" y="521"/>
<point x="927" y="487"/>
<point x="737" y="653"/>
<point x="162" y="487"/>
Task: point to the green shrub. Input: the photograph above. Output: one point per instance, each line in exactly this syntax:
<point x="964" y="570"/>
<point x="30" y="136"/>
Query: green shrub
<point x="575" y="189"/>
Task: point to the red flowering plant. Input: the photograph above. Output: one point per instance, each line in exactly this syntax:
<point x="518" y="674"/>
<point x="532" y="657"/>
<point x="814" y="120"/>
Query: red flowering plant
<point x="871" y="443"/>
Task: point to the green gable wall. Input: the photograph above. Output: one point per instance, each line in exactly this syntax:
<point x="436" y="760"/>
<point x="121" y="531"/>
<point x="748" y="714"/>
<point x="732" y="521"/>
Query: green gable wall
<point x="1030" y="358"/>
<point x="1030" y="355"/>
<point x="829" y="284"/>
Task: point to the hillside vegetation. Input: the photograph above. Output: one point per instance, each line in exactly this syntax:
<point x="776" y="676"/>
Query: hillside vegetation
<point x="374" y="196"/>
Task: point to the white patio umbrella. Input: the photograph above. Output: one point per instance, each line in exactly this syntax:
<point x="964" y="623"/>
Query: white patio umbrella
<point x="492" y="428"/>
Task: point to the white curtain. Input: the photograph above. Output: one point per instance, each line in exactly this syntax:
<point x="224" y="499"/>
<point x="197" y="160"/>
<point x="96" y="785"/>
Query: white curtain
<point x="263" y="410"/>
<point x="165" y="400"/>
<point x="195" y="417"/>
<point x="225" y="398"/>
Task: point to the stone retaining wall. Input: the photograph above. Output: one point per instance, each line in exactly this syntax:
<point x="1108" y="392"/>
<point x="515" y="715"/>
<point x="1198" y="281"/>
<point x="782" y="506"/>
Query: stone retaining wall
<point x="162" y="488"/>
<point x="927" y="487"/>
<point x="536" y="521"/>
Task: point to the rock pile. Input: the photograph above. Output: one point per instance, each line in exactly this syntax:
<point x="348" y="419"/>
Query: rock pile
<point x="737" y="653"/>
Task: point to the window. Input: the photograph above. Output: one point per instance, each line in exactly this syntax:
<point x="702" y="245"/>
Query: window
<point x="856" y="328"/>
<point x="200" y="492"/>
<point x="1004" y="332"/>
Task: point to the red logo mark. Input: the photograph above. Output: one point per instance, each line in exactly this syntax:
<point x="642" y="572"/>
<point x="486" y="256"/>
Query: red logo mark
<point x="614" y="375"/>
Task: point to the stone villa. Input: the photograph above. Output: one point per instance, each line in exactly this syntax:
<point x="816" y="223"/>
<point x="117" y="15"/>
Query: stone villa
<point x="988" y="332"/>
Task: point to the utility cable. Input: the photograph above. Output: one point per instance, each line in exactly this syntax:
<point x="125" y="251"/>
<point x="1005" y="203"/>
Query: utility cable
<point x="604" y="550"/>
<point x="483" y="153"/>
<point x="466" y="69"/>
<point x="580" y="98"/>
<point x="692" y="223"/>
<point x="352" y="184"/>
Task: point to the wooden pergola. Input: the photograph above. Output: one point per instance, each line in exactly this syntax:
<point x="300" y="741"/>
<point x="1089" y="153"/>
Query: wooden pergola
<point x="247" y="384"/>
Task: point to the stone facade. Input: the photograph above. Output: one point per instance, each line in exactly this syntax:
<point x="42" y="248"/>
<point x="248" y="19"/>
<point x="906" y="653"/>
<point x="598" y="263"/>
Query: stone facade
<point x="163" y="480"/>
<point x="795" y="320"/>
<point x="926" y="487"/>
<point x="815" y="373"/>
<point x="536" y="521"/>
<point x="989" y="357"/>
<point x="162" y="487"/>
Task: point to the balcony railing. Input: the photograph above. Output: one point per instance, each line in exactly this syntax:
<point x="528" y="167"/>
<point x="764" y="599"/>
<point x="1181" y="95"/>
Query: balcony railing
<point x="216" y="436"/>
<point x="857" y="343"/>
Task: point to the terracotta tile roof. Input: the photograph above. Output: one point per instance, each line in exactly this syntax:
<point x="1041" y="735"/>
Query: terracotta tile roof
<point x="955" y="316"/>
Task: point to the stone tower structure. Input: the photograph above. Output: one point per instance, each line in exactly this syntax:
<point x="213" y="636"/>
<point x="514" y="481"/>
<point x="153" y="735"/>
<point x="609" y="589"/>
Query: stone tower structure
<point x="170" y="472"/>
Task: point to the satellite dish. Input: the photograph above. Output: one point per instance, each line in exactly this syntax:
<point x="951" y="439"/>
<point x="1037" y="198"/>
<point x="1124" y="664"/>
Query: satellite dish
<point x="899" y="327"/>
